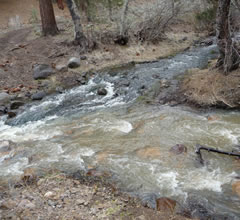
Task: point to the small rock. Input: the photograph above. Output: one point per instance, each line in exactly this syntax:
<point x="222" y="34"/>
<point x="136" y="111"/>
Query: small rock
<point x="29" y="176"/>
<point x="102" y="91"/>
<point x="11" y="114"/>
<point x="49" y="194"/>
<point x="3" y="110"/>
<point x="83" y="57"/>
<point x="74" y="62"/>
<point x="59" y="89"/>
<point x="26" y="204"/>
<point x="4" y="98"/>
<point x="61" y="68"/>
<point x="16" y="105"/>
<point x="212" y="118"/>
<point x="80" y="201"/>
<point x="178" y="149"/>
<point x="164" y="83"/>
<point x="38" y="96"/>
<point x="166" y="204"/>
<point x="42" y="71"/>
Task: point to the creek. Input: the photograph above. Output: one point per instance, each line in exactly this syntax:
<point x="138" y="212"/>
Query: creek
<point x="79" y="129"/>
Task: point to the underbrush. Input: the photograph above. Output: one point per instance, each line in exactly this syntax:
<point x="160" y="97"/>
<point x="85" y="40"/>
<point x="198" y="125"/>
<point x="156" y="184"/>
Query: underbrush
<point x="210" y="87"/>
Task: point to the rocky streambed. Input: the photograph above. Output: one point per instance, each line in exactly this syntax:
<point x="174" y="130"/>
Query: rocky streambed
<point x="106" y="124"/>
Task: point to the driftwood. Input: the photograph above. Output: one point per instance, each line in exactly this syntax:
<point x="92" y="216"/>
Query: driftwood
<point x="210" y="149"/>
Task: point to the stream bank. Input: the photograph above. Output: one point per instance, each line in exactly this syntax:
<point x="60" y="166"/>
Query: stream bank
<point x="80" y="129"/>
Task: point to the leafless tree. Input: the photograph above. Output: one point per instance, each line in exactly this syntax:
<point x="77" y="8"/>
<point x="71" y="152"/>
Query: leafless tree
<point x="229" y="57"/>
<point x="79" y="37"/>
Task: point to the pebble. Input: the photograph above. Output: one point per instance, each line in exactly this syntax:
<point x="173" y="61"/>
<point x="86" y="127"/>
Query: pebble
<point x="49" y="194"/>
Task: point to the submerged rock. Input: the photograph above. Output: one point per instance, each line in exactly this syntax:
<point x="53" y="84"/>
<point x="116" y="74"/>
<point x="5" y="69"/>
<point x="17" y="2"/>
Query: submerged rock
<point x="149" y="152"/>
<point x="165" y="204"/>
<point x="42" y="71"/>
<point x="236" y="188"/>
<point x="3" y="110"/>
<point x="74" y="62"/>
<point x="12" y="114"/>
<point x="16" y="105"/>
<point x="178" y="149"/>
<point x="102" y="91"/>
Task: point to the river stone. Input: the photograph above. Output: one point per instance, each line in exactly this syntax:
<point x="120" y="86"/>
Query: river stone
<point x="4" y="98"/>
<point x="61" y="68"/>
<point x="29" y="176"/>
<point x="74" y="62"/>
<point x="38" y="96"/>
<point x="166" y="205"/>
<point x="102" y="91"/>
<point x="178" y="149"/>
<point x="236" y="188"/>
<point x="16" y="105"/>
<point x="149" y="153"/>
<point x="11" y="114"/>
<point x="42" y="71"/>
<point x="3" y="110"/>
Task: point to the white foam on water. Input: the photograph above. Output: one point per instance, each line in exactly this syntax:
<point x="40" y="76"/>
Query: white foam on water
<point x="16" y="168"/>
<point x="210" y="180"/>
<point x="229" y="135"/>
<point x="28" y="131"/>
<point x="121" y="125"/>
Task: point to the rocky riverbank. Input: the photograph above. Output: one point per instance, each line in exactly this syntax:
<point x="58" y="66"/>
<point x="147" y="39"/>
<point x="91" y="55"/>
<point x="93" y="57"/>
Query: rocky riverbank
<point x="32" y="67"/>
<point x="56" y="195"/>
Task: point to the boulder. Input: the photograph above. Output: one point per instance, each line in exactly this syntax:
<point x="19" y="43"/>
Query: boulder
<point x="166" y="205"/>
<point x="38" y="95"/>
<point x="74" y="62"/>
<point x="178" y="149"/>
<point x="16" y="105"/>
<point x="42" y="71"/>
<point x="4" y="98"/>
<point x="102" y="91"/>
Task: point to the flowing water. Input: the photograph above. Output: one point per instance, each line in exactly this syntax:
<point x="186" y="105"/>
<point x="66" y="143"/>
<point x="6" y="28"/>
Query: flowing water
<point x="79" y="129"/>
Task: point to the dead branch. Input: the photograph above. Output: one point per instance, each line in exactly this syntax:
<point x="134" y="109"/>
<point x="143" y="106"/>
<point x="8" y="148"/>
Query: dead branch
<point x="210" y="149"/>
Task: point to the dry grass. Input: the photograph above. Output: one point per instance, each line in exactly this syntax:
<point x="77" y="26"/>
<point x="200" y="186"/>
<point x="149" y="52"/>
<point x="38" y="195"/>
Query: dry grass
<point x="210" y="87"/>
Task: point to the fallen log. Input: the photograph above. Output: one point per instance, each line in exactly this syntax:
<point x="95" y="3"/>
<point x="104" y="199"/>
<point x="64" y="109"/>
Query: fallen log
<point x="210" y="149"/>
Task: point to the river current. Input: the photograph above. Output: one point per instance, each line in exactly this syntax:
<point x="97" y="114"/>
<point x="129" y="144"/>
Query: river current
<point x="79" y="129"/>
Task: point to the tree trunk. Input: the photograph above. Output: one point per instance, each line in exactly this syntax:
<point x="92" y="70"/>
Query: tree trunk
<point x="229" y="57"/>
<point x="110" y="10"/>
<point x="79" y="37"/>
<point x="123" y="18"/>
<point x="49" y="26"/>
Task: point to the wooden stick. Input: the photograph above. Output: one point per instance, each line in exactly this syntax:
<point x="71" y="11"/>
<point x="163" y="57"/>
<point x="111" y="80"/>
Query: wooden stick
<point x="210" y="149"/>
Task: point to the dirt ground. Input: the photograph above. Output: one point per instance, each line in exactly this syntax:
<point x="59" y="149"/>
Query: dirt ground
<point x="57" y="196"/>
